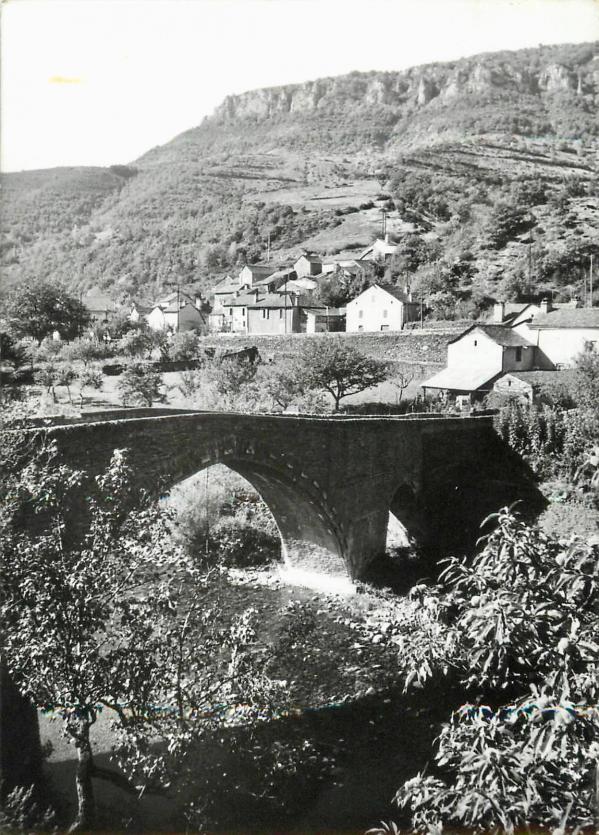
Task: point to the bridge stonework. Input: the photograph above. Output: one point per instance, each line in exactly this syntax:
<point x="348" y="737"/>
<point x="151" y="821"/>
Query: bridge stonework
<point x="329" y="482"/>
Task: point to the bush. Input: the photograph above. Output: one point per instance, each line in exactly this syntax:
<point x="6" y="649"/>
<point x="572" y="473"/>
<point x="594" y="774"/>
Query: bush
<point x="141" y="384"/>
<point x="521" y="618"/>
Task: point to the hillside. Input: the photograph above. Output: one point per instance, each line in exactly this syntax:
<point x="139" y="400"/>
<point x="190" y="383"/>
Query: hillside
<point x="486" y="166"/>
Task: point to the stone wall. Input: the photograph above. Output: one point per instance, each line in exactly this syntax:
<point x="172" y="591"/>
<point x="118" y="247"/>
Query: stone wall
<point x="416" y="346"/>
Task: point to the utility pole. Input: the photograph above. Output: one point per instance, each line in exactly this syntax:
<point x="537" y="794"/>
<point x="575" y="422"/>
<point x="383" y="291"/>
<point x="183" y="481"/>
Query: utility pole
<point x="268" y="249"/>
<point x="591" y="282"/>
<point x="384" y="222"/>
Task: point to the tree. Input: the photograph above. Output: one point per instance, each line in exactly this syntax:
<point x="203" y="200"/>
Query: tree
<point x="232" y="380"/>
<point x="141" y="383"/>
<point x="101" y="612"/>
<point x="185" y="345"/>
<point x="507" y="221"/>
<point x="89" y="376"/>
<point x="340" y="369"/>
<point x="281" y="382"/>
<point x="400" y="381"/>
<point x="38" y="309"/>
<point x="138" y="342"/>
<point x="521" y="618"/>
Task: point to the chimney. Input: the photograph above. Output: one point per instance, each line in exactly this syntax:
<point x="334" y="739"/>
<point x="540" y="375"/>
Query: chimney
<point x="545" y="305"/>
<point x="499" y="312"/>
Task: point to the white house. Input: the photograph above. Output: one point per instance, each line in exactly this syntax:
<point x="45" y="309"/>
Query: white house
<point x="560" y="333"/>
<point x="307" y="265"/>
<point x="380" y="308"/>
<point x="252" y="273"/>
<point x="478" y="357"/>
<point x="379" y="250"/>
<point x="177" y="312"/>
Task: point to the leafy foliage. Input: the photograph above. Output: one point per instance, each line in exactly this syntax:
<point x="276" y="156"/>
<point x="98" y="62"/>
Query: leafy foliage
<point x="338" y="368"/>
<point x="38" y="309"/>
<point x="140" y="383"/>
<point x="522" y="617"/>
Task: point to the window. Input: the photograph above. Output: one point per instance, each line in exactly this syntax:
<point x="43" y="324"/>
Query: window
<point x="230" y="311"/>
<point x="518" y="354"/>
<point x="281" y="313"/>
<point x="264" y="313"/>
<point x="360" y="327"/>
<point x="475" y="343"/>
<point x="384" y="314"/>
<point x="384" y="327"/>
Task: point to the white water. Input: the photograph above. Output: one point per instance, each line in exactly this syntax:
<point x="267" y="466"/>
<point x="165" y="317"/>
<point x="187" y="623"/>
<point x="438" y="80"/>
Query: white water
<point x="326" y="583"/>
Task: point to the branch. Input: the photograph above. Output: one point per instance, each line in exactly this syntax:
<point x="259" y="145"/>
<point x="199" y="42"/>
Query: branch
<point x="115" y="778"/>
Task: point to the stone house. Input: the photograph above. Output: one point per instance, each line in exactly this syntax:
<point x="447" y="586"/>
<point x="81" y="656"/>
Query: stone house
<point x="276" y="313"/>
<point x="324" y="319"/>
<point x="528" y="386"/>
<point x="381" y="308"/>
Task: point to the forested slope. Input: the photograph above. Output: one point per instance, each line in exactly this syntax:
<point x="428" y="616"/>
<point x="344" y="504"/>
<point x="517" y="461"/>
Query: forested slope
<point x="486" y="166"/>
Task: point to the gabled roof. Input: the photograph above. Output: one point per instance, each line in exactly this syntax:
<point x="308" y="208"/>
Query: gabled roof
<point x="313" y="259"/>
<point x="258" y="269"/>
<point x="228" y="287"/>
<point x="172" y="308"/>
<point x="568" y="317"/>
<point x="501" y="334"/>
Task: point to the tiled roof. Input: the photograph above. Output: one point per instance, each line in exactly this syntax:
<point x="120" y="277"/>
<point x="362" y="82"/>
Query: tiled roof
<point x="313" y="259"/>
<point x="568" y="317"/>
<point x="500" y="334"/>
<point x="230" y="287"/>
<point x="394" y="291"/>
<point x="534" y="378"/>
<point x="258" y="269"/>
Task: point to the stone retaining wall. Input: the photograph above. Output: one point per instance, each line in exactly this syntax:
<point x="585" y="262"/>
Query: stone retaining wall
<point x="419" y="346"/>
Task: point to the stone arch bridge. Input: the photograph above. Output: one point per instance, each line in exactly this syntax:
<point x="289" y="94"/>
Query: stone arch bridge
<point x="330" y="482"/>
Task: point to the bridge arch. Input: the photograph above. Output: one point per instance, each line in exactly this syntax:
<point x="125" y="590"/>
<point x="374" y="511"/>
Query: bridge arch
<point x="311" y="538"/>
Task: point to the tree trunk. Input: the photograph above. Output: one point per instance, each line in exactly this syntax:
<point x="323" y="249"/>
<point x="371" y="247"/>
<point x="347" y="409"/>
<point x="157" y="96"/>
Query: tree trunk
<point x="86" y="803"/>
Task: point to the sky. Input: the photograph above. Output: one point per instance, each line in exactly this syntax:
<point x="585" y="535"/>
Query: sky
<point x="99" y="82"/>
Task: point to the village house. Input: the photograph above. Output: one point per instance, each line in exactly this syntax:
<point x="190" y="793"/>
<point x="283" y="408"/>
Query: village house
<point x="478" y="357"/>
<point x="307" y="265"/>
<point x="381" y="250"/>
<point x="381" y="308"/>
<point x="275" y="313"/>
<point x="529" y="386"/>
<point x="251" y="274"/>
<point x="324" y="319"/>
<point x="178" y="312"/>
<point x="560" y="333"/>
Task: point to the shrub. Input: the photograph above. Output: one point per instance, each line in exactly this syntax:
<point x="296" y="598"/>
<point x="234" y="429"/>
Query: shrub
<point x="141" y="384"/>
<point x="522" y="617"/>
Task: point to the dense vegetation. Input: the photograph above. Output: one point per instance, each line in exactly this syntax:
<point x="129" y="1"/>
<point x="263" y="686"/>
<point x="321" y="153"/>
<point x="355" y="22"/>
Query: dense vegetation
<point x="486" y="166"/>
